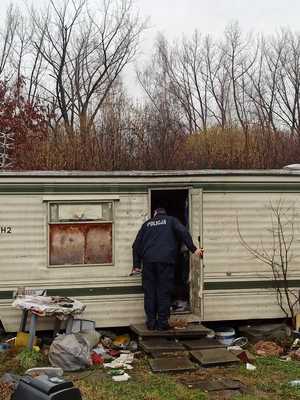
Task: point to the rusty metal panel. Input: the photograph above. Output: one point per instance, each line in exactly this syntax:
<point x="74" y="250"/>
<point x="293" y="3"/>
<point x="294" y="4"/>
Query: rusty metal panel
<point x="79" y="244"/>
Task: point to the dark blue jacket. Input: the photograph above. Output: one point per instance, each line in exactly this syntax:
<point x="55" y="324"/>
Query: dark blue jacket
<point x="158" y="240"/>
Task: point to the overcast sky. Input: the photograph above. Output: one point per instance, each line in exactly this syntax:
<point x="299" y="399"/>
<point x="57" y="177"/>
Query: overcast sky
<point x="175" y="17"/>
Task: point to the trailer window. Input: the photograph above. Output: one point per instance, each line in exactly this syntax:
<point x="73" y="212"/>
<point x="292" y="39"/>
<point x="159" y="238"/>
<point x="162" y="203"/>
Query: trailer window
<point x="80" y="233"/>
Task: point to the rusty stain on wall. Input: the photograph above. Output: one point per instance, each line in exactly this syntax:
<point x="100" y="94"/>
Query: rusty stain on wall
<point x="82" y="243"/>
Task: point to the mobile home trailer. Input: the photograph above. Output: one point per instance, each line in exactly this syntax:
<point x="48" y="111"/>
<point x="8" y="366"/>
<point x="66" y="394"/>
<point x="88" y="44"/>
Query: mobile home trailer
<point x="71" y="233"/>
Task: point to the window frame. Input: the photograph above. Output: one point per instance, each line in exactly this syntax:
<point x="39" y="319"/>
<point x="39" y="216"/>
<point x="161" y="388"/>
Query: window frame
<point x="83" y="201"/>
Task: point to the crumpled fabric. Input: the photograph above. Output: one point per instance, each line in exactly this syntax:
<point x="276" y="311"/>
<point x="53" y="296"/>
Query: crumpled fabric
<point x="49" y="306"/>
<point x="266" y="348"/>
<point x="70" y="352"/>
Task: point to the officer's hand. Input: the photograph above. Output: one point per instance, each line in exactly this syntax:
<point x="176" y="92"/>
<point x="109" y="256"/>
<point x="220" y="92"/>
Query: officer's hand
<point x="199" y="252"/>
<point x="135" y="271"/>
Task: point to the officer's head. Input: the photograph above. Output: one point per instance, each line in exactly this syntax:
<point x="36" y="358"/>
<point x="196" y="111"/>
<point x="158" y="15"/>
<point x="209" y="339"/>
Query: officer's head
<point x="158" y="211"/>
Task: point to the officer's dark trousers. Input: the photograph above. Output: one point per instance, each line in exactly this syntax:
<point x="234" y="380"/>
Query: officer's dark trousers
<point x="158" y="284"/>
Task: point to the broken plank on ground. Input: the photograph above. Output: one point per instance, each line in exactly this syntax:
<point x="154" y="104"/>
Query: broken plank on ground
<point x="211" y="357"/>
<point x="172" y="364"/>
<point x="157" y="344"/>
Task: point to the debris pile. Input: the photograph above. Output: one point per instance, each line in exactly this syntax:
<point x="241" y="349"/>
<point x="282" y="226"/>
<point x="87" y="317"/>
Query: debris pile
<point x="81" y="350"/>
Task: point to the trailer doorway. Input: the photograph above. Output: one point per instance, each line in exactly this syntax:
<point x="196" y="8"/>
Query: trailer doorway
<point x="176" y="203"/>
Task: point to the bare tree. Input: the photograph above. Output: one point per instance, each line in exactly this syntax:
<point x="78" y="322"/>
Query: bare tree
<point x="86" y="52"/>
<point x="8" y="38"/>
<point x="279" y="255"/>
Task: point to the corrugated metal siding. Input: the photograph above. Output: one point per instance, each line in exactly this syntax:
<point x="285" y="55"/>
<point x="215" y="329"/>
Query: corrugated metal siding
<point x="227" y="260"/>
<point x="225" y="257"/>
<point x="23" y="259"/>
<point x="24" y="252"/>
<point x="105" y="311"/>
<point x="241" y="305"/>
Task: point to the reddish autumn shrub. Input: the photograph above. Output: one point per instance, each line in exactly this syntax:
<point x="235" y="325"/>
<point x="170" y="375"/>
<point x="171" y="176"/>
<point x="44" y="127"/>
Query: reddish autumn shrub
<point x="21" y="119"/>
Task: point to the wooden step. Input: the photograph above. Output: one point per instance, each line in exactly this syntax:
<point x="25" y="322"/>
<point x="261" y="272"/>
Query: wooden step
<point x="191" y="330"/>
<point x="160" y="344"/>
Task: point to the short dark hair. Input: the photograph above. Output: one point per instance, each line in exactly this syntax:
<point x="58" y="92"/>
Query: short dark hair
<point x="160" y="210"/>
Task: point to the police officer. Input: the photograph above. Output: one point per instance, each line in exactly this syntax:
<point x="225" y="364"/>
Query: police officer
<point x="156" y="246"/>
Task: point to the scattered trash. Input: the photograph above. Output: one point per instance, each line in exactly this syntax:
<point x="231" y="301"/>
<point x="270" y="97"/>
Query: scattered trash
<point x="240" y="341"/>
<point x="49" y="371"/>
<point x="49" y="306"/>
<point x="4" y="347"/>
<point x="115" y="372"/>
<point x="265" y="348"/>
<point x="113" y="353"/>
<point x="250" y="367"/>
<point x="101" y="351"/>
<point x="296" y="344"/>
<point x="295" y="355"/>
<point x="178" y="323"/>
<point x="234" y="348"/>
<point x="133" y="346"/>
<point x="106" y="341"/>
<point x="121" y="342"/>
<point x="22" y="340"/>
<point x="285" y="358"/>
<point x="121" y="378"/>
<point x="92" y="337"/>
<point x="70" y="352"/>
<point x="225" y="336"/>
<point x="295" y="383"/>
<point x="97" y="359"/>
<point x="107" y="334"/>
<point x="268" y="332"/>
<point x="123" y="361"/>
<point x="82" y="325"/>
<point x="211" y="334"/>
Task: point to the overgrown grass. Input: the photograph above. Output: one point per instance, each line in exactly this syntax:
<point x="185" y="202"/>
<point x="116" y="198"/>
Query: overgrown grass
<point x="270" y="381"/>
<point x="155" y="387"/>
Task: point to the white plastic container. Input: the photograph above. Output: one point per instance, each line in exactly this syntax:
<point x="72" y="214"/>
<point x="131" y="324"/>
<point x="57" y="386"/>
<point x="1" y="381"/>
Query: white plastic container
<point x="225" y="335"/>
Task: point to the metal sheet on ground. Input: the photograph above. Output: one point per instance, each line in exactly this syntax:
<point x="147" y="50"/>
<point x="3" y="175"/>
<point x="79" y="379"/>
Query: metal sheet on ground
<point x="217" y="385"/>
<point x="203" y="343"/>
<point x="212" y="385"/>
<point x="209" y="357"/>
<point x="168" y="354"/>
<point x="172" y="364"/>
<point x="156" y="344"/>
<point x="192" y="330"/>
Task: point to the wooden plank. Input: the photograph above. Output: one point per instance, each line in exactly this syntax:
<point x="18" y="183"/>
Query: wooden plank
<point x="192" y="330"/>
<point x="211" y="357"/>
<point x="171" y="364"/>
<point x="168" y="354"/>
<point x="157" y="344"/>
<point x="203" y="343"/>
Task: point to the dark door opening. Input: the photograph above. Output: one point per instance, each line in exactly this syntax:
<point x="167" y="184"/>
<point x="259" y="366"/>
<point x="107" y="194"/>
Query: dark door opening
<point x="176" y="203"/>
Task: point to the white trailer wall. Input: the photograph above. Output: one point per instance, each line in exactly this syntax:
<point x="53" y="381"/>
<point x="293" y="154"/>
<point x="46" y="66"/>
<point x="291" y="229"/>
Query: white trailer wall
<point x="233" y="279"/>
<point x="24" y="260"/>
